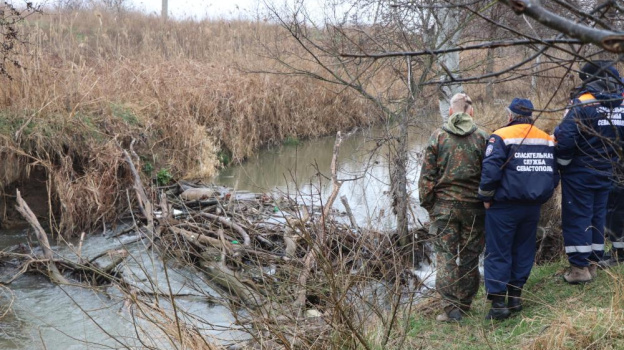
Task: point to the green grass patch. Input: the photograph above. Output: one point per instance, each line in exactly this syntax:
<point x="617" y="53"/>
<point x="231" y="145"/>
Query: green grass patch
<point x="163" y="177"/>
<point x="125" y="114"/>
<point x="224" y="157"/>
<point x="556" y="315"/>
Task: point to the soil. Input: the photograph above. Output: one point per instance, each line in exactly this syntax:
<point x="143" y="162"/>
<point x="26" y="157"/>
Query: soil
<point x="35" y="193"/>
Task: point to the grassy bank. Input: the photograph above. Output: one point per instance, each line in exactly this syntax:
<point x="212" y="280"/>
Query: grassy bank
<point x="556" y="315"/>
<point x="185" y="91"/>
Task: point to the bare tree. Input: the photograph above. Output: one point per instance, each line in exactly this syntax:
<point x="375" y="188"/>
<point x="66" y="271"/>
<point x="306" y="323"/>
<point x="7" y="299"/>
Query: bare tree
<point x="448" y="22"/>
<point x="10" y="17"/>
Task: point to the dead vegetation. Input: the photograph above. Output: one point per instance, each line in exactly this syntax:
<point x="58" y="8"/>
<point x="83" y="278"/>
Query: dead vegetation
<point x="295" y="275"/>
<point x="182" y="89"/>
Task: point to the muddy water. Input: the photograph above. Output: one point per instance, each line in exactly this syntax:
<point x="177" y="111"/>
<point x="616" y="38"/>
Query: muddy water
<point x="303" y="170"/>
<point x="44" y="316"/>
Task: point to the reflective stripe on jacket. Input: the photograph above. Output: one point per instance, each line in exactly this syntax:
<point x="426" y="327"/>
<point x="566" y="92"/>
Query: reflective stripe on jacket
<point x="587" y="135"/>
<point x="519" y="165"/>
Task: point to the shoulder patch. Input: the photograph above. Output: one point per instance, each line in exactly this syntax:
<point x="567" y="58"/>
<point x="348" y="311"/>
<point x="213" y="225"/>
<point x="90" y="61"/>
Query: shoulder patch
<point x="492" y="140"/>
<point x="489" y="150"/>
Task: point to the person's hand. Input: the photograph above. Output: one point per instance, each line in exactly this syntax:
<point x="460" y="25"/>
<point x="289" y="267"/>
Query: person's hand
<point x="487" y="205"/>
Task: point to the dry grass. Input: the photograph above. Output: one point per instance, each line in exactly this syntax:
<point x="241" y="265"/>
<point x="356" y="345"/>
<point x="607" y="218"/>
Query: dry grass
<point x="179" y="88"/>
<point x="599" y="327"/>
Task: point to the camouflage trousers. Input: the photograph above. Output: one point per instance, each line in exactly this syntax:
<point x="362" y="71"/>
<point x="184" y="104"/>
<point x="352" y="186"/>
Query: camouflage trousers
<point x="459" y="240"/>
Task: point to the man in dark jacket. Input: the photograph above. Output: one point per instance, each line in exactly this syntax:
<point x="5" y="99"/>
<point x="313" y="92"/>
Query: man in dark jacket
<point x="587" y="148"/>
<point x="519" y="175"/>
<point x="615" y="218"/>
<point x="448" y="185"/>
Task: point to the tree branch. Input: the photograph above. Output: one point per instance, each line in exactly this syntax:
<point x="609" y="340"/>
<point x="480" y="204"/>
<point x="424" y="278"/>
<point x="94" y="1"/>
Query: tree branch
<point x="607" y="39"/>
<point x="488" y="45"/>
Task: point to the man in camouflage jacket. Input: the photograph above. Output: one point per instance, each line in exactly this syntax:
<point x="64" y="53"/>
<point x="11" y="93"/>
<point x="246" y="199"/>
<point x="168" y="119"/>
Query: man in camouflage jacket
<point x="448" y="187"/>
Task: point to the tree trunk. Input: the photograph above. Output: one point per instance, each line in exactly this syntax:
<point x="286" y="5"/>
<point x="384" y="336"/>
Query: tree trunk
<point x="448" y="36"/>
<point x="489" y="68"/>
<point x="398" y="171"/>
<point x="398" y="179"/>
<point x="536" y="69"/>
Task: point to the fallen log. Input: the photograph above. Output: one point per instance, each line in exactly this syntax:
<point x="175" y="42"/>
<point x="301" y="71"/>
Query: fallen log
<point x="228" y="281"/>
<point x="53" y="272"/>
<point x="202" y="239"/>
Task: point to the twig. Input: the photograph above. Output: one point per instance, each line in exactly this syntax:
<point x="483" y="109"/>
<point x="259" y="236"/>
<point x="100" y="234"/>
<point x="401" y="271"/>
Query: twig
<point x="345" y="202"/>
<point x="335" y="182"/>
<point x="233" y="226"/>
<point x="144" y="203"/>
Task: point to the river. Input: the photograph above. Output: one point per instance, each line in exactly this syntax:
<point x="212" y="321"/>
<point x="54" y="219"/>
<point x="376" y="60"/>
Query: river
<point x="40" y="315"/>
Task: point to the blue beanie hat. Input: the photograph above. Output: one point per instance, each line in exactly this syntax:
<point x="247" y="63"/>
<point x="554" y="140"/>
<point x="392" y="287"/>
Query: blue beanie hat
<point x="521" y="106"/>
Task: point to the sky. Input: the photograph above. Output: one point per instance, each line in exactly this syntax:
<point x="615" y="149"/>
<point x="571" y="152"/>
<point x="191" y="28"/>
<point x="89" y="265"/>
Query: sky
<point x="216" y="9"/>
<point x="198" y="9"/>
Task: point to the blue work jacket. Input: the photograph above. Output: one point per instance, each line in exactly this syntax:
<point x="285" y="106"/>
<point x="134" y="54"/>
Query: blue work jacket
<point x="519" y="165"/>
<point x="590" y="136"/>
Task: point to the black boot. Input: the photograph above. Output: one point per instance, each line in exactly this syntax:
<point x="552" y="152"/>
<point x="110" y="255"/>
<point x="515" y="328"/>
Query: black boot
<point x="499" y="310"/>
<point x="514" y="302"/>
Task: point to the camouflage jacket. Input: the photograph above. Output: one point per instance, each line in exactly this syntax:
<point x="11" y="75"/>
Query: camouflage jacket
<point x="451" y="169"/>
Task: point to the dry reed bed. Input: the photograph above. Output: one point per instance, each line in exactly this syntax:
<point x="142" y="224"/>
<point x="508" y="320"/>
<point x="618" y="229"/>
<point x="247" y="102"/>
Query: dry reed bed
<point x="92" y="80"/>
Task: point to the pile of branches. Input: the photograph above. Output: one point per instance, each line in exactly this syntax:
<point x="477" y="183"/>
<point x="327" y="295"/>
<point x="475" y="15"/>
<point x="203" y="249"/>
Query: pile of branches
<point x="295" y="275"/>
<point x="276" y="259"/>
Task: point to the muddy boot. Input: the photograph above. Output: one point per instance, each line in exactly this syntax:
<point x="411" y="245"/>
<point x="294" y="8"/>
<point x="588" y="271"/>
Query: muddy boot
<point x="450" y="314"/>
<point x="616" y="258"/>
<point x="577" y="274"/>
<point x="593" y="270"/>
<point x="514" y="302"/>
<point x="499" y="310"/>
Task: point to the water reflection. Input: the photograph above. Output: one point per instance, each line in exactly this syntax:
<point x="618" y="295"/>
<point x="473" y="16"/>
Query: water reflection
<point x="361" y="162"/>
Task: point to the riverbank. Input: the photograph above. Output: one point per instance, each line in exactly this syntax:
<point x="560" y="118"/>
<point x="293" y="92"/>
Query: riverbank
<point x="556" y="316"/>
<point x="190" y="97"/>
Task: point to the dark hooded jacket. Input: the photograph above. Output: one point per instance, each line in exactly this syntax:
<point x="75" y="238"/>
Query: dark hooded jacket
<point x="452" y="164"/>
<point x="592" y="130"/>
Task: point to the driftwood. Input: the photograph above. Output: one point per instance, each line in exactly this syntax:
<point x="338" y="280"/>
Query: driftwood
<point x="145" y="205"/>
<point x="345" y="202"/>
<point x="202" y="239"/>
<point x="24" y="210"/>
<point x="228" y="281"/>
<point x="235" y="227"/>
<point x="84" y="270"/>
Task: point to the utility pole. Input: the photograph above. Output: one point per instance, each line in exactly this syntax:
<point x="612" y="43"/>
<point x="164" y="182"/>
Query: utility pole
<point x="165" y="9"/>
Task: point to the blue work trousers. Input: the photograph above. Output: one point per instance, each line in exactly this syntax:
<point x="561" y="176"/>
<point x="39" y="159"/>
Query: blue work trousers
<point x="583" y="216"/>
<point x="615" y="217"/>
<point x="510" y="231"/>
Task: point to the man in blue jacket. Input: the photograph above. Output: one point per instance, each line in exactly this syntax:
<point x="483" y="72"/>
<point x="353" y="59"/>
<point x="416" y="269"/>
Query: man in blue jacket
<point x="519" y="174"/>
<point x="587" y="148"/>
<point x="615" y="218"/>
